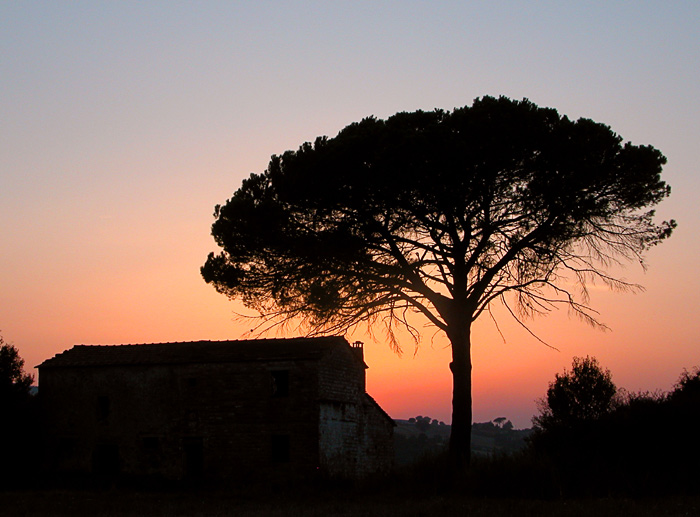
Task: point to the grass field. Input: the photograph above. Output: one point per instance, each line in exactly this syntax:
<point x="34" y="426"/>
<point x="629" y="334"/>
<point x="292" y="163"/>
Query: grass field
<point x="121" y="502"/>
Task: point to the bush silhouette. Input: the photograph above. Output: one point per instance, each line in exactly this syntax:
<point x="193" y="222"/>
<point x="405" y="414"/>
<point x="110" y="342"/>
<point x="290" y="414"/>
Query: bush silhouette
<point x="19" y="428"/>
<point x="643" y="444"/>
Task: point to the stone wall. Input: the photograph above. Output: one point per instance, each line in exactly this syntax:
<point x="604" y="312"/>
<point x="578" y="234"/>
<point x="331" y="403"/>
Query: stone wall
<point x="376" y="440"/>
<point x="267" y="419"/>
<point x="356" y="436"/>
<point x="222" y="420"/>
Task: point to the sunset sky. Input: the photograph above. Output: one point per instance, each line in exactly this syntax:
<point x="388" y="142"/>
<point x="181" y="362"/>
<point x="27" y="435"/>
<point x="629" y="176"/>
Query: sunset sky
<point x="123" y="123"/>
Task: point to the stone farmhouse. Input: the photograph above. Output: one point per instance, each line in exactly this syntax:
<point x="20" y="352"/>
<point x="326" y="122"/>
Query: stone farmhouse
<point x="234" y="410"/>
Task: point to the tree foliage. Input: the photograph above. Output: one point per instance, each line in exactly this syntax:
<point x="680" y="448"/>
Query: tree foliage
<point x="584" y="394"/>
<point x="439" y="213"/>
<point x="425" y="207"/>
<point x="14" y="382"/>
<point x="640" y="443"/>
<point x="19" y="426"/>
<point x="687" y="389"/>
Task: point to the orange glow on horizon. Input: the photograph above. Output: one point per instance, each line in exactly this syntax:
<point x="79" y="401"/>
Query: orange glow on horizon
<point x="115" y="156"/>
<point x="508" y="376"/>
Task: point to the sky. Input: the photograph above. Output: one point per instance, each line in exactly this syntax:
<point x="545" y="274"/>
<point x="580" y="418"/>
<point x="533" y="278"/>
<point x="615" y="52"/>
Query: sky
<point x="122" y="125"/>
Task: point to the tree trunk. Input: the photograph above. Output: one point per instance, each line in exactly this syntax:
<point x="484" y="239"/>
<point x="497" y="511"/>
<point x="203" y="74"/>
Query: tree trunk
<point x="461" y="367"/>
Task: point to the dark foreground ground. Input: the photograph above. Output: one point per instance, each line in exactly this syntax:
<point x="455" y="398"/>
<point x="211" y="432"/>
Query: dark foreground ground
<point x="122" y="502"/>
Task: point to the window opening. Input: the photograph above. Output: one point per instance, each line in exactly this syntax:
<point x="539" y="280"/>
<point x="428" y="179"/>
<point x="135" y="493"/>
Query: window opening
<point x="102" y="408"/>
<point x="280" y="448"/>
<point x="280" y="383"/>
<point x="193" y="449"/>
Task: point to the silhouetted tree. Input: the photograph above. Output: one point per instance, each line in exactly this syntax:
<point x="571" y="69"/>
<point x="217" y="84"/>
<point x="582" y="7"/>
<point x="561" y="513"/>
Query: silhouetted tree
<point x="423" y="423"/>
<point x="684" y="401"/>
<point x="641" y="443"/>
<point x="687" y="389"/>
<point x="18" y="418"/>
<point x="14" y="382"/>
<point x="586" y="393"/>
<point x="503" y="423"/>
<point x="439" y="213"/>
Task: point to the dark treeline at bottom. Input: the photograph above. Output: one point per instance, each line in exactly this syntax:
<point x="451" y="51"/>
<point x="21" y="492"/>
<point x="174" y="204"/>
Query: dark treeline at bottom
<point x="643" y="445"/>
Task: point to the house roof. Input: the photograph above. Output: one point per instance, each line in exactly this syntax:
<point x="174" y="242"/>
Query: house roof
<point x="374" y="403"/>
<point x="195" y="352"/>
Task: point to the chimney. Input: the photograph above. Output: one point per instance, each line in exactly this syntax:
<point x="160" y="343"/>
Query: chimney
<point x="358" y="350"/>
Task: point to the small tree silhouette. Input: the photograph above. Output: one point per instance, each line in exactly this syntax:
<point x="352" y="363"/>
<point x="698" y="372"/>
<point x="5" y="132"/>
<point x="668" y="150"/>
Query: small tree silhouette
<point x="584" y="394"/>
<point x="18" y="419"/>
<point x="14" y="383"/>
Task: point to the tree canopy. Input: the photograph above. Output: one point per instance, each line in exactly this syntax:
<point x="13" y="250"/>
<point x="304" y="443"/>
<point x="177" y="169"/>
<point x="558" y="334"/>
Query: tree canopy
<point x="600" y="439"/>
<point x="439" y="213"/>
<point x="14" y="382"/>
<point x="586" y="393"/>
<point x="19" y="423"/>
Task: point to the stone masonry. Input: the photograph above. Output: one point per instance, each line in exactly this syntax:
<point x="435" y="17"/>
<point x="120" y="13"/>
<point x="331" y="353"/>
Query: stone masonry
<point x="238" y="410"/>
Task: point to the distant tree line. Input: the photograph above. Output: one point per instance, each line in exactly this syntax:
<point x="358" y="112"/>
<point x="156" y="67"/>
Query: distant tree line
<point x="424" y="422"/>
<point x="421" y="437"/>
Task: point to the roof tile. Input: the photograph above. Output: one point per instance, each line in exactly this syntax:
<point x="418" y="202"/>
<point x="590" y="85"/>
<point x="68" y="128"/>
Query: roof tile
<point x="195" y="352"/>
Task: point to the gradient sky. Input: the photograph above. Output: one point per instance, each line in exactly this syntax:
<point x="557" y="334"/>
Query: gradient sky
<point x="123" y="123"/>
